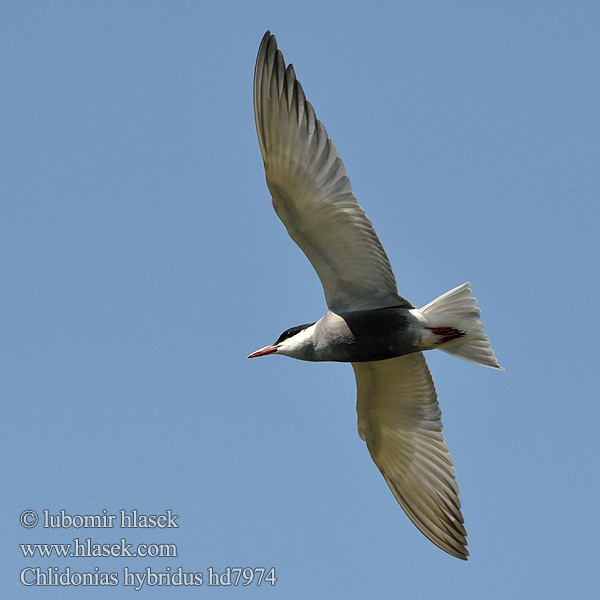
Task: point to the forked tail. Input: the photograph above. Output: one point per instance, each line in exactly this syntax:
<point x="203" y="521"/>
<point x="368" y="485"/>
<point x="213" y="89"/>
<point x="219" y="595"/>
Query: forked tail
<point x="458" y="310"/>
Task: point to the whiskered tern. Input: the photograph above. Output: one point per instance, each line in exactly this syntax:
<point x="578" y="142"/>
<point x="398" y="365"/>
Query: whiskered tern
<point x="367" y="324"/>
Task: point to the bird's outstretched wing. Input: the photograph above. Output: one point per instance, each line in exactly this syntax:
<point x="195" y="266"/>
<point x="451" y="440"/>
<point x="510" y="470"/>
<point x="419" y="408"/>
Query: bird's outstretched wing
<point x="312" y="194"/>
<point x="399" y="417"/>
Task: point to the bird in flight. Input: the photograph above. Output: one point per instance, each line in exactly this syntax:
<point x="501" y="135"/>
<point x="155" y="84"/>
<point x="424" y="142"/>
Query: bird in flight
<point x="367" y="322"/>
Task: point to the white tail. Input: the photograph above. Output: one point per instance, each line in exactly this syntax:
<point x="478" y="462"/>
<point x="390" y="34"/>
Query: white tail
<point x="457" y="308"/>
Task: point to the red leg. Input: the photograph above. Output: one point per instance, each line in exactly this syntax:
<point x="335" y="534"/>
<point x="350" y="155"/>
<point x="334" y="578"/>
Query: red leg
<point x="446" y="333"/>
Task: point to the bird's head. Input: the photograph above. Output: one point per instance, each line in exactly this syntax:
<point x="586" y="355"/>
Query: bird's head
<point x="295" y="342"/>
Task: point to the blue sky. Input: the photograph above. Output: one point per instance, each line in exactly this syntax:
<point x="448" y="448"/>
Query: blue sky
<point x="142" y="262"/>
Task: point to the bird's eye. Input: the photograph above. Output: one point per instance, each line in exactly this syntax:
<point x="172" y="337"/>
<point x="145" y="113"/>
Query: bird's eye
<point x="288" y="333"/>
<point x="291" y="332"/>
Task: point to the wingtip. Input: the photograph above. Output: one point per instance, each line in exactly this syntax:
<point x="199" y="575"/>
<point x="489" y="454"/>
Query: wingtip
<point x="267" y="38"/>
<point x="451" y="537"/>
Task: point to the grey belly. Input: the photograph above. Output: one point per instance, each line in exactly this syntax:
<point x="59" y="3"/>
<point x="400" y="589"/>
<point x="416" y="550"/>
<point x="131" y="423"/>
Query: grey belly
<point x="375" y="335"/>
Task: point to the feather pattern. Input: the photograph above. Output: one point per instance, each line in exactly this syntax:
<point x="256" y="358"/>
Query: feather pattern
<point x="400" y="419"/>
<point x="312" y="194"/>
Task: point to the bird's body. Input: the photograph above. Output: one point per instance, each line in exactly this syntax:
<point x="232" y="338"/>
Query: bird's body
<point x="364" y="335"/>
<point x="367" y="322"/>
